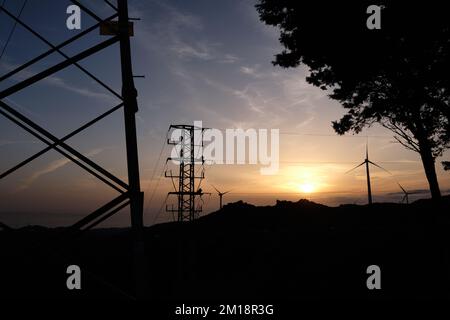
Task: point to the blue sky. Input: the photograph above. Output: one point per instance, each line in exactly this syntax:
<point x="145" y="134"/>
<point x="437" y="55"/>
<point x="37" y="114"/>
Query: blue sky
<point x="203" y="60"/>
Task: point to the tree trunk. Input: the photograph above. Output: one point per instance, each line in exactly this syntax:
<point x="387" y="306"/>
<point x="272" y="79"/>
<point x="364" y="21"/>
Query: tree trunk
<point x="428" y="159"/>
<point x="428" y="162"/>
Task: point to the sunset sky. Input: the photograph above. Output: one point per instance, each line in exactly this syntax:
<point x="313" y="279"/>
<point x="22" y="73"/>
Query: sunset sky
<point x="202" y="60"/>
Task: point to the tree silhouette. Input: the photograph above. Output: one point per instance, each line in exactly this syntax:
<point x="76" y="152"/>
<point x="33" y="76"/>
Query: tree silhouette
<point x="395" y="76"/>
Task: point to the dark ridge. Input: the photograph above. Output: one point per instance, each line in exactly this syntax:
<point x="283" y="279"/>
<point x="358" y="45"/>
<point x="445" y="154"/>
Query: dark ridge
<point x="291" y="250"/>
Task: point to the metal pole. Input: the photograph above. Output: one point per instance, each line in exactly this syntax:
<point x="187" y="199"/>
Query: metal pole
<point x="129" y="94"/>
<point x="369" y="189"/>
<point x="181" y="179"/>
<point x="192" y="214"/>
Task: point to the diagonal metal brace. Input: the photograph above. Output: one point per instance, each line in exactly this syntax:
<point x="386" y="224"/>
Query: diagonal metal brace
<point x="87" y="10"/>
<point x="99" y="212"/>
<point x="59" y="46"/>
<point x="44" y="74"/>
<point x="17" y="20"/>
<point x="51" y="137"/>
<point x="68" y="156"/>
<point x="53" y="145"/>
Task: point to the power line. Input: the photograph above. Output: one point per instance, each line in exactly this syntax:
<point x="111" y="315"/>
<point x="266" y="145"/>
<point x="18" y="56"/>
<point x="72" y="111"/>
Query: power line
<point x="345" y="162"/>
<point x="154" y="172"/>
<point x="318" y="134"/>
<point x="155" y="188"/>
<point x="334" y="135"/>
<point x="298" y="193"/>
<point x="160" y="210"/>
<point x="13" y="28"/>
<point x="327" y="162"/>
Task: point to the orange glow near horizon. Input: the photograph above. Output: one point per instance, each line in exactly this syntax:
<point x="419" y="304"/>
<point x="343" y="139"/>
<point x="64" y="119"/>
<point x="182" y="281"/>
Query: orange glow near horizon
<point x="304" y="180"/>
<point x="306" y="187"/>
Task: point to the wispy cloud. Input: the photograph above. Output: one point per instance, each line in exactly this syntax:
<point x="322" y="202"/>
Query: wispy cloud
<point x="229" y="58"/>
<point x="197" y="50"/>
<point x="251" y="71"/>
<point x="51" y="167"/>
<point x="11" y="142"/>
<point x="61" y="83"/>
<point x="23" y="109"/>
<point x="56" y="81"/>
<point x="275" y="98"/>
<point x="173" y="35"/>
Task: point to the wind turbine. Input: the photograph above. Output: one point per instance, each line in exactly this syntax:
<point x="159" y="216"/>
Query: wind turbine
<point x="221" y="194"/>
<point x="405" y="198"/>
<point x="367" y="162"/>
<point x="408" y="193"/>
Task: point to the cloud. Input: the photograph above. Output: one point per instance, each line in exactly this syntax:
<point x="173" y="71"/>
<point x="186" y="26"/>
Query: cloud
<point x="61" y="83"/>
<point x="53" y="166"/>
<point x="279" y="98"/>
<point x="10" y="142"/>
<point x="179" y="19"/>
<point x="251" y="71"/>
<point x="254" y="98"/>
<point x="6" y="142"/>
<point x="57" y="82"/>
<point x="172" y="33"/>
<point x="247" y="8"/>
<point x="23" y="109"/>
<point x="197" y="50"/>
<point x="229" y="58"/>
<point x="262" y="95"/>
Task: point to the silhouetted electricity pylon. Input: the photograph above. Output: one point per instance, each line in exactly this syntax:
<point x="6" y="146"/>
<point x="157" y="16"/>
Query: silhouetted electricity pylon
<point x="119" y="29"/>
<point x="187" y="192"/>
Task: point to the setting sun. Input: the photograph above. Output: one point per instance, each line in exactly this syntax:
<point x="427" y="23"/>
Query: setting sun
<point x="306" y="187"/>
<point x="303" y="179"/>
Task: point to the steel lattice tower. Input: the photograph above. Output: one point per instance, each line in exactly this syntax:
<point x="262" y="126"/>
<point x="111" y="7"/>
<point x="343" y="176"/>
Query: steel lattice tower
<point x="186" y="193"/>
<point x="118" y="28"/>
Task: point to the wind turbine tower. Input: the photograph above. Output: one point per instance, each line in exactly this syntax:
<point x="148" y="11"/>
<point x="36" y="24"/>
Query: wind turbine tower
<point x="369" y="188"/>
<point x="406" y="196"/>
<point x="221" y="194"/>
<point x="366" y="162"/>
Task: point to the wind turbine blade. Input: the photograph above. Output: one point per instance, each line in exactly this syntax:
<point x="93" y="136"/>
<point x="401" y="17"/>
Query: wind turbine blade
<point x="403" y="189"/>
<point x="227" y="192"/>
<point x="376" y="165"/>
<point x="215" y="189"/>
<point x="359" y="165"/>
<point x="367" y="149"/>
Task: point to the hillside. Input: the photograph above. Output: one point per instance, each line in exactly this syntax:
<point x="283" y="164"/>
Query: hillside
<point x="292" y="250"/>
